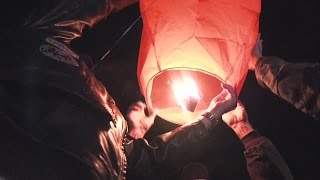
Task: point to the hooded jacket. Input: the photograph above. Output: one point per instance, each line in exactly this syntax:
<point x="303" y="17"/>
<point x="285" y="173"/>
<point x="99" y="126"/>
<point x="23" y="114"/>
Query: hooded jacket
<point x="51" y="102"/>
<point x="65" y="20"/>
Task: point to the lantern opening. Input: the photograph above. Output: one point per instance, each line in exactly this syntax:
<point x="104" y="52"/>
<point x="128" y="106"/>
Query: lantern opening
<point x="195" y="97"/>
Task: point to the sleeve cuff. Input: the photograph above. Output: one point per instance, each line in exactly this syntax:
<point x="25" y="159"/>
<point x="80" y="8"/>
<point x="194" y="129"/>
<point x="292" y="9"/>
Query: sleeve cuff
<point x="252" y="139"/>
<point x="267" y="68"/>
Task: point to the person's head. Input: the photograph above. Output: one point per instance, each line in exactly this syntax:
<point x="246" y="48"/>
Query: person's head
<point x="194" y="171"/>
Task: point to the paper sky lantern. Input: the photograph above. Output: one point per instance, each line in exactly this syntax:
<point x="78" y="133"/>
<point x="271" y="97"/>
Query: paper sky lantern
<point x="188" y="47"/>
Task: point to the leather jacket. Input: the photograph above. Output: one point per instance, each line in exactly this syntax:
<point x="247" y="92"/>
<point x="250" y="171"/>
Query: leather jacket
<point x="53" y="105"/>
<point x="50" y="95"/>
<point x="65" y="20"/>
<point x="50" y="98"/>
<point x="57" y="120"/>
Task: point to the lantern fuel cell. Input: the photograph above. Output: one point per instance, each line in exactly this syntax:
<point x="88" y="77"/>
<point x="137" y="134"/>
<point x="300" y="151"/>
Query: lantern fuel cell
<point x="190" y="103"/>
<point x="186" y="92"/>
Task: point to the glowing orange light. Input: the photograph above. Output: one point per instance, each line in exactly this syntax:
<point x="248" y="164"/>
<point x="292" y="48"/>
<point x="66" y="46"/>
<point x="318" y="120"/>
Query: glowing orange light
<point x="186" y="93"/>
<point x="207" y="41"/>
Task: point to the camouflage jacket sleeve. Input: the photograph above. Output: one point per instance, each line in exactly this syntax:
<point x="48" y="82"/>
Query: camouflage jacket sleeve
<point x="299" y="84"/>
<point x="263" y="159"/>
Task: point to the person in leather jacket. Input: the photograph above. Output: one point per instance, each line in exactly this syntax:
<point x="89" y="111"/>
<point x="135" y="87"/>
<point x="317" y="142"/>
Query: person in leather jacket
<point x="57" y="120"/>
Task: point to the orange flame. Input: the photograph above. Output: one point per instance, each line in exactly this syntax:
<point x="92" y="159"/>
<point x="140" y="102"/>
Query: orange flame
<point x="184" y="91"/>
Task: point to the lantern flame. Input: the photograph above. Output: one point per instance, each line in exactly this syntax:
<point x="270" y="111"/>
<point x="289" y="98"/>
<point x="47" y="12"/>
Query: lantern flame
<point x="187" y="94"/>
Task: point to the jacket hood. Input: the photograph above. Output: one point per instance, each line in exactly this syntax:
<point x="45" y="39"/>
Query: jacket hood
<point x="66" y="19"/>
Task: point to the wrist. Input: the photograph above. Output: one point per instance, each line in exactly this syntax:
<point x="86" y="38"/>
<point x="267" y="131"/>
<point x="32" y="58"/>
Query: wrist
<point x="209" y="120"/>
<point x="242" y="129"/>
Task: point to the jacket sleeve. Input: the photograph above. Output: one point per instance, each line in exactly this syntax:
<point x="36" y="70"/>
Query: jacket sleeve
<point x="264" y="161"/>
<point x="299" y="84"/>
<point x="166" y="149"/>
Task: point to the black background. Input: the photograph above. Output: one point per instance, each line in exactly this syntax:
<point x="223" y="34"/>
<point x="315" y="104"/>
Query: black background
<point x="289" y="29"/>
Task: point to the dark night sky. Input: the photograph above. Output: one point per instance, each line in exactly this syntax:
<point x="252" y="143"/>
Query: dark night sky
<point x="290" y="30"/>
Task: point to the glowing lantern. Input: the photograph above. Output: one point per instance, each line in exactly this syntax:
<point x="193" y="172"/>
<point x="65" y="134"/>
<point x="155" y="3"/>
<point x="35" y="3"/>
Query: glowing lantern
<point x="188" y="47"/>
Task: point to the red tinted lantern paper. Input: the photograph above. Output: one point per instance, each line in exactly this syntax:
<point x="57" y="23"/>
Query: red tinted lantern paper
<point x="188" y="47"/>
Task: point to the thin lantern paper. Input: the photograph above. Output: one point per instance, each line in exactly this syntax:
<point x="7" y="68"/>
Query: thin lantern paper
<point x="205" y="42"/>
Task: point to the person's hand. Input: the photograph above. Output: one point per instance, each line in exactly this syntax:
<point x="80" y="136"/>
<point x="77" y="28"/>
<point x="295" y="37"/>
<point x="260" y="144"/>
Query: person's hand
<point x="257" y="53"/>
<point x="237" y="119"/>
<point x="138" y="122"/>
<point x="223" y="102"/>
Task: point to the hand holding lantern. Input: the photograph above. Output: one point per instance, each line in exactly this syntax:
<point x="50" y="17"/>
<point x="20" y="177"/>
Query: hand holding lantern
<point x="221" y="104"/>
